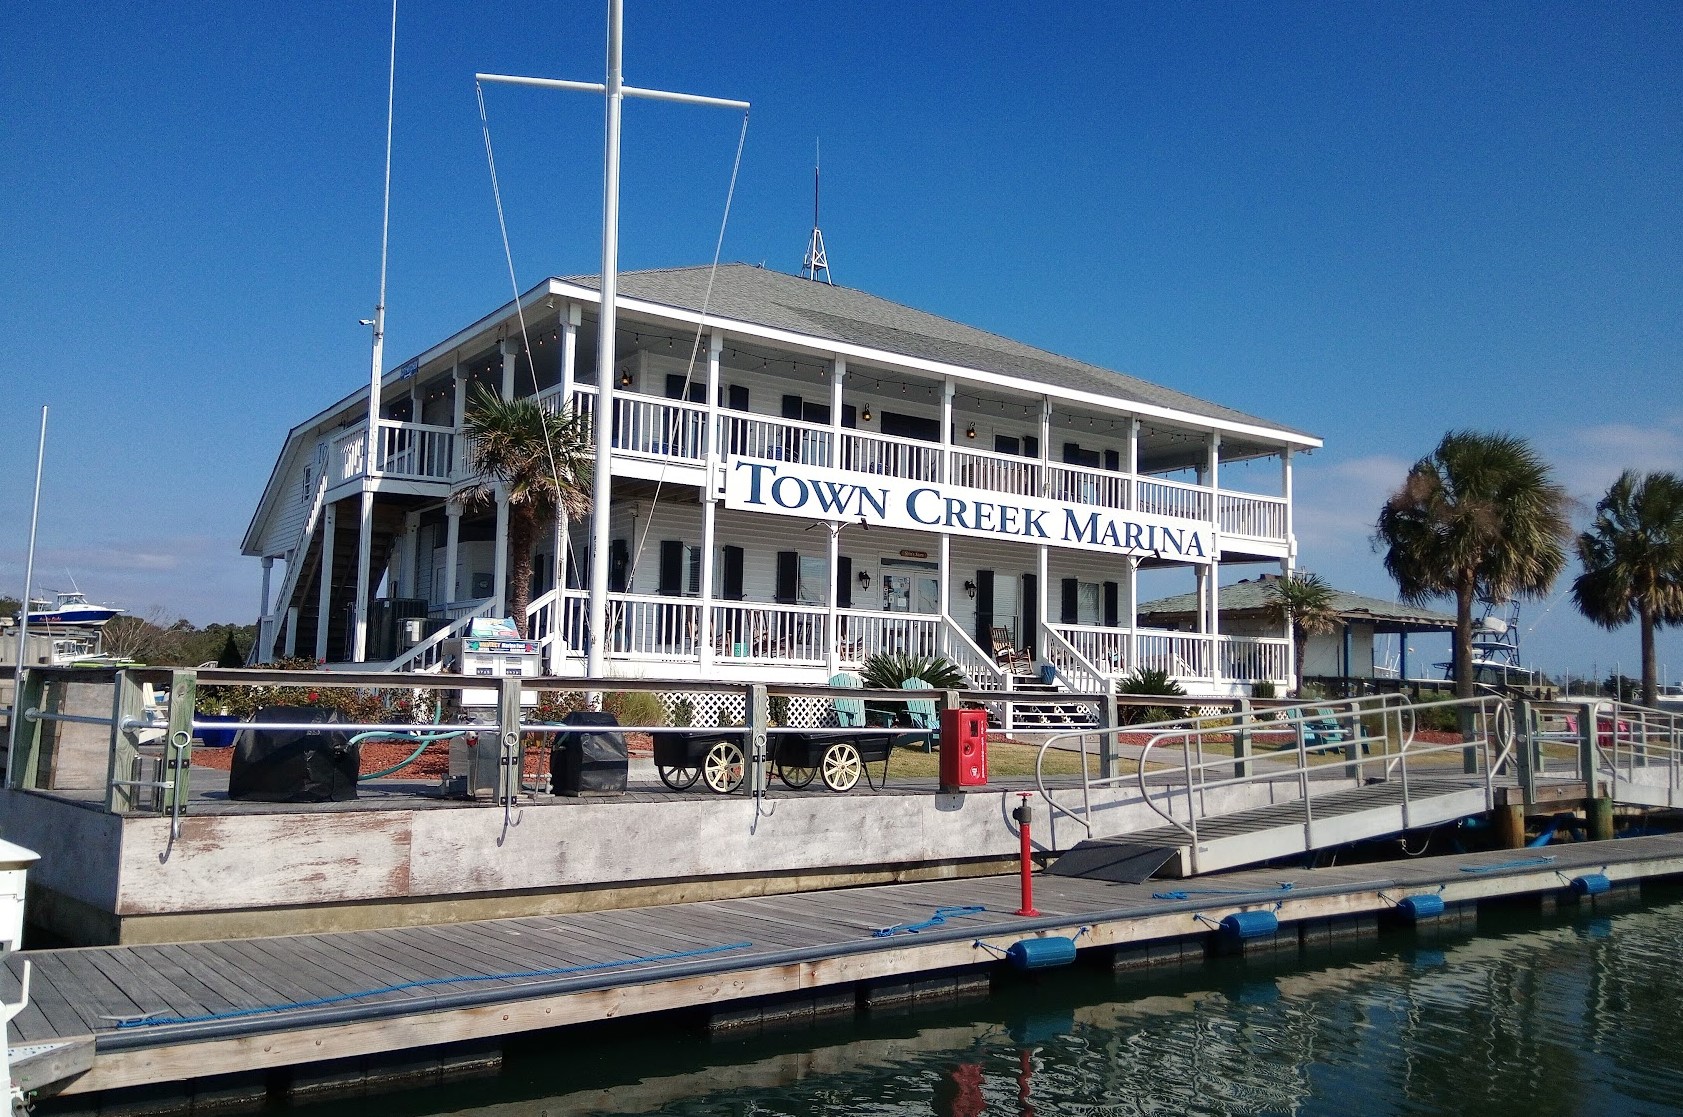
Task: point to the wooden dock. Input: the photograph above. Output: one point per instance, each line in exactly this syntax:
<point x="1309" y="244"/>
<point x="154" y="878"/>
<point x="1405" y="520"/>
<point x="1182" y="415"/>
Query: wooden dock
<point x="191" y="1016"/>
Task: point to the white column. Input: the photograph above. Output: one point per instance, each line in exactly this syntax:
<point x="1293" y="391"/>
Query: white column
<point x="560" y="631"/>
<point x="511" y="361"/>
<point x="499" y="553"/>
<point x="324" y="599"/>
<point x="832" y="606"/>
<point x="710" y="496"/>
<point x="1287" y="563"/>
<point x="411" y="575"/>
<point x="1042" y="573"/>
<point x="944" y="541"/>
<point x="838" y="373"/>
<point x="452" y="549"/>
<point x="1045" y="452"/>
<point x="1133" y="606"/>
<point x="265" y="623"/>
<point x="1132" y="465"/>
<point x="291" y="648"/>
<point x="947" y="436"/>
<point x="458" y="411"/>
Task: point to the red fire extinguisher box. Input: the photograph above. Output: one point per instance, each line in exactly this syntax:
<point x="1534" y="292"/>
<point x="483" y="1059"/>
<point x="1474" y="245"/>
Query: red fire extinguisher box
<point x="964" y="748"/>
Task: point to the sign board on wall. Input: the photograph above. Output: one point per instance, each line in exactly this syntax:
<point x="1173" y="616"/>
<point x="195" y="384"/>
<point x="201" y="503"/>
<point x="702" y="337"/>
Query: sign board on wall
<point x="816" y="493"/>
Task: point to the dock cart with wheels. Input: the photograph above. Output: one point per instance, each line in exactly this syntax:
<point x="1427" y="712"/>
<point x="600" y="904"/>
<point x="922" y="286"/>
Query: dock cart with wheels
<point x="717" y="758"/>
<point x="838" y="758"/>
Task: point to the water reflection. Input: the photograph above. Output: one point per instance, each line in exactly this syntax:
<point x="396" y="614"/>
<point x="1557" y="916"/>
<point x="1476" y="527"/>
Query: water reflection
<point x="1567" y="1017"/>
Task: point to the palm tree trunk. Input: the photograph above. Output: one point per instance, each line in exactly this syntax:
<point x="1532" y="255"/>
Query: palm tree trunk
<point x="1299" y="637"/>
<point x="1650" y="669"/>
<point x="520" y="532"/>
<point x="1464" y="639"/>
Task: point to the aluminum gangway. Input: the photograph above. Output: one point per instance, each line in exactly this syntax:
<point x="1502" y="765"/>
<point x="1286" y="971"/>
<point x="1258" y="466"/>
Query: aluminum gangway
<point x="1326" y="774"/>
<point x="1630" y="754"/>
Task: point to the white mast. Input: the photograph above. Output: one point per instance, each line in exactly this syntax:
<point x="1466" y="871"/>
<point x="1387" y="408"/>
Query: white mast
<point x="371" y="447"/>
<point x="16" y="717"/>
<point x="816" y="261"/>
<point x="615" y="91"/>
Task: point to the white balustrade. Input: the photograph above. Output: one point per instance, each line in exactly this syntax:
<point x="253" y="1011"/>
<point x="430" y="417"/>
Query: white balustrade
<point x="795" y="634"/>
<point x="1105" y="648"/>
<point x="757" y="436"/>
<point x="1257" y="517"/>
<point x="1254" y="659"/>
<point x="1000" y="473"/>
<point x="1180" y="655"/>
<point x="1173" y="498"/>
<point x="660" y="428"/>
<point x="891" y="457"/>
<point x="864" y="634"/>
<point x="416" y="451"/>
<point x="648" y="627"/>
<point x="1079" y="484"/>
<point x="348" y="456"/>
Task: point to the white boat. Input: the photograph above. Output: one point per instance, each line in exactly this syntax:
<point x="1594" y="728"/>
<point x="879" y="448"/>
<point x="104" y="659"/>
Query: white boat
<point x="69" y="608"/>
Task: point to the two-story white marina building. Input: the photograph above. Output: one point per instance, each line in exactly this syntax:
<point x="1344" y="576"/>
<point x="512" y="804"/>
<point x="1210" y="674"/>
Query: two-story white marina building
<point x="831" y="475"/>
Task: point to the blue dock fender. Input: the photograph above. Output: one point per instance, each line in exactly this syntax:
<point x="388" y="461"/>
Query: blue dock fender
<point x="1426" y="905"/>
<point x="1243" y="925"/>
<point x="1590" y="884"/>
<point x="1043" y="953"/>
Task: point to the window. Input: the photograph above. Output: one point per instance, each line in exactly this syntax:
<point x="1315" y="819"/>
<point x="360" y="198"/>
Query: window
<point x="1087" y="603"/>
<point x="814" y="580"/>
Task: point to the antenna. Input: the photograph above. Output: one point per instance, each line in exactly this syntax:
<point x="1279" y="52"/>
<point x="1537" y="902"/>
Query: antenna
<point x="816" y="261"/>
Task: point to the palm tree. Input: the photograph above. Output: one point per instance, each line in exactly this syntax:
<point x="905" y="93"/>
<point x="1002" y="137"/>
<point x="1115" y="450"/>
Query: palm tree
<point x="1632" y="556"/>
<point x="1481" y="516"/>
<point x="539" y="460"/>
<point x="1303" y="601"/>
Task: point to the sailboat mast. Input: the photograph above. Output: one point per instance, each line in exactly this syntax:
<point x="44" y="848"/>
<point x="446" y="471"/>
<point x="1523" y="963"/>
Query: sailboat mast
<point x="16" y="717"/>
<point x="602" y="488"/>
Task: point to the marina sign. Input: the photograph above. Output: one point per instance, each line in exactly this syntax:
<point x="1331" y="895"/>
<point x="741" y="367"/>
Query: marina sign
<point x="813" y="492"/>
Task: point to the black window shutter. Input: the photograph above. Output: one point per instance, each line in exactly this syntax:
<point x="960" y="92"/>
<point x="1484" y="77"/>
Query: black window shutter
<point x="737" y="397"/>
<point x="1113" y="460"/>
<point x="671" y="568"/>
<point x="1031" y="446"/>
<point x="619" y="565"/>
<point x="732" y="563"/>
<point x="791" y="407"/>
<point x="1068" y="610"/>
<point x="1111" y="609"/>
<point x="788" y="577"/>
<point x="844" y="582"/>
<point x="984" y="609"/>
<point x="1030" y="634"/>
<point x="850" y="415"/>
<point x="1072" y="453"/>
<point x="1005" y="444"/>
<point x="674" y="386"/>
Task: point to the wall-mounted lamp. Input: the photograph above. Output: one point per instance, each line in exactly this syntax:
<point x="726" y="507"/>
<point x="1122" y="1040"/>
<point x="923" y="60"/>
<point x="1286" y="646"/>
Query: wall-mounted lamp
<point x="970" y="590"/>
<point x="970" y="431"/>
<point x="625" y="379"/>
<point x="866" y="414"/>
<point x="865" y="579"/>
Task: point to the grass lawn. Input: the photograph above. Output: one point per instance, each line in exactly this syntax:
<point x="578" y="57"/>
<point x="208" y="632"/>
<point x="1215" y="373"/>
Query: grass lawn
<point x="1003" y="760"/>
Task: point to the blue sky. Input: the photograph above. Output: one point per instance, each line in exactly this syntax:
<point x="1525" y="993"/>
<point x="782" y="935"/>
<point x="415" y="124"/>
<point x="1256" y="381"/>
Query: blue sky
<point x="1373" y="221"/>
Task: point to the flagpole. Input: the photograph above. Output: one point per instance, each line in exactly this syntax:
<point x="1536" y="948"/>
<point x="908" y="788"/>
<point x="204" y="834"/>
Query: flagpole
<point x="23" y="610"/>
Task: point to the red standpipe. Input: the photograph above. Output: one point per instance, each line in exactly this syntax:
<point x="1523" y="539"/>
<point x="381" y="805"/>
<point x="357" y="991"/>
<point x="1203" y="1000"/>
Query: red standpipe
<point x="1023" y="814"/>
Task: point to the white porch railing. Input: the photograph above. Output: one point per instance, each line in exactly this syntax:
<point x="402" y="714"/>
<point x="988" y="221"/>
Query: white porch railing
<point x="1107" y="649"/>
<point x="865" y="633"/>
<point x="892" y="457"/>
<point x="793" y="634"/>
<point x="1254" y="659"/>
<point x="1079" y="484"/>
<point x="660" y="428"/>
<point x="744" y="435"/>
<point x="1000" y="473"/>
<point x="1174" y="498"/>
<point x="977" y="665"/>
<point x="429" y="652"/>
<point x="653" y="628"/>
<point x="347" y="456"/>
<point x="1079" y="673"/>
<point x="1257" y="517"/>
<point x="409" y="451"/>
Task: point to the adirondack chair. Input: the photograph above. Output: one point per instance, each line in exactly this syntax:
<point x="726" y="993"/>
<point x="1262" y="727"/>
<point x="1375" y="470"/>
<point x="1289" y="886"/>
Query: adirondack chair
<point x="1324" y="728"/>
<point x="920" y="712"/>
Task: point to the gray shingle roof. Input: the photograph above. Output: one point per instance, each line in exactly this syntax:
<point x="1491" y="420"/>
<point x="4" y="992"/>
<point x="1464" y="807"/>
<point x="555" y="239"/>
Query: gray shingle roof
<point x="789" y="302"/>
<point x="1253" y="595"/>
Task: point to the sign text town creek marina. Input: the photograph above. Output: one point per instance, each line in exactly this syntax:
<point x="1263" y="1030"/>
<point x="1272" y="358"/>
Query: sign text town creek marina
<point x="825" y="494"/>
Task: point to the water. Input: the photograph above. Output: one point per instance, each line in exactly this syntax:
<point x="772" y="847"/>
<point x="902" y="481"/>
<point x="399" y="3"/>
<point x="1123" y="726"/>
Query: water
<point x="1533" y="1016"/>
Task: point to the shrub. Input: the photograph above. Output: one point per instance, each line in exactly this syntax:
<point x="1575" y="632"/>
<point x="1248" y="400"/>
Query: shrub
<point x="777" y="708"/>
<point x="1149" y="682"/>
<point x="635" y="707"/>
<point x="683" y="712"/>
<point x="370" y="705"/>
<point x="1264" y="688"/>
<point x="887" y="670"/>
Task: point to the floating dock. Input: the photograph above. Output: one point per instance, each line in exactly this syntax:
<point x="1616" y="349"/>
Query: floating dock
<point x="219" y="1019"/>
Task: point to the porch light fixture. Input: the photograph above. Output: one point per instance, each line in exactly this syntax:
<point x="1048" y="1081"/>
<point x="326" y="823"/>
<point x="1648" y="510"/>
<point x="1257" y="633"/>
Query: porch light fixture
<point x="625" y="379"/>
<point x="970" y="590"/>
<point x="866" y="414"/>
<point x="865" y="579"/>
<point x="970" y="431"/>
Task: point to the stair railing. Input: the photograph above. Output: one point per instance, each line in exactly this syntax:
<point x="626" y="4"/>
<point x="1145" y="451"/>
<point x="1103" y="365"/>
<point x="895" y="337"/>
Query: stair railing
<point x="429" y="652"/>
<point x="289" y="585"/>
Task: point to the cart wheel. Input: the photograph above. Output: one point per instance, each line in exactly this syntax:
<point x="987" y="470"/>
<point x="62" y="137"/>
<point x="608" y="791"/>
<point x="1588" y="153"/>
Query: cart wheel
<point x="841" y="766"/>
<point x="679" y="779"/>
<point x="722" y="767"/>
<point x="795" y="776"/>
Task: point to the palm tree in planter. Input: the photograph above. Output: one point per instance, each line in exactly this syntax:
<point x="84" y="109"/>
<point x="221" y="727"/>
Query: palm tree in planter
<point x="540" y="460"/>
<point x="1303" y="601"/>
<point x="1632" y="556"/>
<point x="1479" y="517"/>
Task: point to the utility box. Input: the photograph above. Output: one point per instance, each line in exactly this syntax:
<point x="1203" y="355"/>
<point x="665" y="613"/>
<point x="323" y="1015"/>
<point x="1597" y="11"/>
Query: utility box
<point x="964" y="748"/>
<point x="492" y="658"/>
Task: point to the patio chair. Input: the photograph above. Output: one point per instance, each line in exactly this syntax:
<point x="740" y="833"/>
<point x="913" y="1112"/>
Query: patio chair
<point x="1324" y="728"/>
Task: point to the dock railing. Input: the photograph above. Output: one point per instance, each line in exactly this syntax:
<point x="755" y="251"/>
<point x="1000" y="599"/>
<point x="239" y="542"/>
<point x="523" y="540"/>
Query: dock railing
<point x="1182" y="762"/>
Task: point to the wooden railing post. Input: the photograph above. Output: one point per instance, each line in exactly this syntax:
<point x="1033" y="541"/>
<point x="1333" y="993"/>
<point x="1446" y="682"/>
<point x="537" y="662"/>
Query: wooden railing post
<point x="126" y="706"/>
<point x="178" y="746"/>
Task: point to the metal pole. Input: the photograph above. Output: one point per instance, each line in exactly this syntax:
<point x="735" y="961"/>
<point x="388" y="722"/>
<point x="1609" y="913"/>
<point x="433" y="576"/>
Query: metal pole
<point x="602" y="488"/>
<point x="371" y="450"/>
<point x="23" y="613"/>
<point x="1023" y="815"/>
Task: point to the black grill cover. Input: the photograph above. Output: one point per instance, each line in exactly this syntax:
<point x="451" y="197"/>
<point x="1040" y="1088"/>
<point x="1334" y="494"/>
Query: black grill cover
<point x="294" y="765"/>
<point x="588" y="763"/>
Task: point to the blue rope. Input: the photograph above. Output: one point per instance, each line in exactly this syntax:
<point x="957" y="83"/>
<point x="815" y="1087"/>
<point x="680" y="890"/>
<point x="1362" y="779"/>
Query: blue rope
<point x="1284" y="886"/>
<point x="158" y="1018"/>
<point x="941" y="916"/>
<point x="1515" y="864"/>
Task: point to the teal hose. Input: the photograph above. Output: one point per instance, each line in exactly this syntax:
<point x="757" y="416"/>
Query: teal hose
<point x="424" y="740"/>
